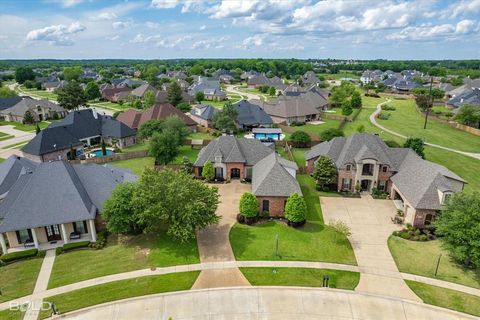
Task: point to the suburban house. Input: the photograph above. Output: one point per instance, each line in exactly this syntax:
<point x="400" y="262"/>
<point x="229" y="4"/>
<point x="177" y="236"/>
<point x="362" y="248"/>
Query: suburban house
<point x="369" y="76"/>
<point x="135" y="118"/>
<point x="49" y="204"/>
<point x="203" y="114"/>
<point x="418" y="187"/>
<point x="79" y="128"/>
<point x="273" y="178"/>
<point x="258" y="80"/>
<point x="468" y="97"/>
<point x="54" y="85"/>
<point x="210" y="88"/>
<point x="310" y="78"/>
<point x="161" y="96"/>
<point x="140" y="91"/>
<point x="112" y="94"/>
<point x="251" y="115"/>
<point x="126" y="82"/>
<point x="39" y="109"/>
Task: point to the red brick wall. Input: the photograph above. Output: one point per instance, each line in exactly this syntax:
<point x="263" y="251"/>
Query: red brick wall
<point x="311" y="165"/>
<point x="240" y="166"/>
<point x="384" y="176"/>
<point x="420" y="215"/>
<point x="277" y="205"/>
<point x="344" y="174"/>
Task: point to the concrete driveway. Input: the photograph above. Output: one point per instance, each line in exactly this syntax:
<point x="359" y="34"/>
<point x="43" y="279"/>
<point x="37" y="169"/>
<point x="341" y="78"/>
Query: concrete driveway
<point x="214" y="244"/>
<point x="371" y="226"/>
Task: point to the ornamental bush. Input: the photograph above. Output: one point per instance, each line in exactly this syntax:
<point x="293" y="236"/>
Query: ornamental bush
<point x="248" y="205"/>
<point x="208" y="172"/>
<point x="300" y="138"/>
<point x="296" y="208"/>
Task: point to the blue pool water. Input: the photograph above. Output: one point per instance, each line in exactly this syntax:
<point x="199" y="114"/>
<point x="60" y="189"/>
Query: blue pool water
<point x="266" y="136"/>
<point x="99" y="153"/>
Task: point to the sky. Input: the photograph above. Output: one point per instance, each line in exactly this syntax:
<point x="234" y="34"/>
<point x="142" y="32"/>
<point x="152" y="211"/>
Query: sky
<point x="168" y="29"/>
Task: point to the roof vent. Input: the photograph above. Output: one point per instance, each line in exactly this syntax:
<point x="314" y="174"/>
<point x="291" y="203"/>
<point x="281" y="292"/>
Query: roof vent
<point x="94" y="111"/>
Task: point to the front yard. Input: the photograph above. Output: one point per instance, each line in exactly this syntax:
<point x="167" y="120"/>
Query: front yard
<point x="18" y="278"/>
<point x="24" y="127"/>
<point x="118" y="290"/>
<point x="122" y="254"/>
<point x="421" y="258"/>
<point x="303" y="277"/>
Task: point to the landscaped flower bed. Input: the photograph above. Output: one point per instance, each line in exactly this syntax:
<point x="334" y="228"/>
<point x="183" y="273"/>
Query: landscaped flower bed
<point x="416" y="234"/>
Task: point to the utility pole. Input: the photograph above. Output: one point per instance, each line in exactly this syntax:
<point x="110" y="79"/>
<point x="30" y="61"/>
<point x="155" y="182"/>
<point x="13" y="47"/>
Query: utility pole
<point x="431" y="103"/>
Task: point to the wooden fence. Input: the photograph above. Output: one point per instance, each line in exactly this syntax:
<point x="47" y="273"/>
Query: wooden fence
<point x="113" y="157"/>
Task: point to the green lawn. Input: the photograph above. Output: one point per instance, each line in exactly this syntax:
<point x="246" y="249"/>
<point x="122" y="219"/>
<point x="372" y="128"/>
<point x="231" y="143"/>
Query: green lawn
<point x="11" y="315"/>
<point x="219" y="104"/>
<point x="1" y="160"/>
<point x="446" y="298"/>
<point x="200" y="135"/>
<point x="122" y="254"/>
<point x="371" y="102"/>
<point x="339" y="75"/>
<point x="39" y="93"/>
<point x="5" y="136"/>
<point x="136" y="165"/>
<point x="16" y="145"/>
<point x="316" y="129"/>
<point x="421" y="258"/>
<point x="119" y="290"/>
<point x="407" y="121"/>
<point x="110" y="105"/>
<point x="136" y="147"/>
<point x="23" y="127"/>
<point x="312" y="242"/>
<point x="299" y="156"/>
<point x="303" y="277"/>
<point x="186" y="151"/>
<point x="18" y="279"/>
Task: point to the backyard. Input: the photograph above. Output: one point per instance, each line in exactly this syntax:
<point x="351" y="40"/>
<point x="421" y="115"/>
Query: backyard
<point x="421" y="258"/>
<point x="122" y="254"/>
<point x="19" y="278"/>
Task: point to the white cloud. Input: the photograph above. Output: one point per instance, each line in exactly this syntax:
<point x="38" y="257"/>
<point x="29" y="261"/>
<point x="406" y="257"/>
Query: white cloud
<point x="165" y="4"/>
<point x="172" y="43"/>
<point x="113" y="38"/>
<point x="466" y="27"/>
<point x="105" y="16"/>
<point x="152" y="25"/>
<point x="203" y="27"/>
<point x="56" y="34"/>
<point x="121" y="24"/>
<point x="217" y="43"/>
<point x="140" y="38"/>
<point x="68" y="3"/>
<point x="253" y="41"/>
<point x="443" y="31"/>
<point x="465" y="7"/>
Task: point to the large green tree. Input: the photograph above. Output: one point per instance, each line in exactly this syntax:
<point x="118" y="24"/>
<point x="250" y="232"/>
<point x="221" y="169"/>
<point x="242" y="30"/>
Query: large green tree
<point x="174" y="95"/>
<point x="296" y="208"/>
<point x="469" y="115"/>
<point x="417" y="145"/>
<point x="458" y="228"/>
<point x="199" y="96"/>
<point x="118" y="210"/>
<point x="356" y="100"/>
<point x="149" y="99"/>
<point x="186" y="204"/>
<point x="164" y="146"/>
<point x="72" y="73"/>
<point x="71" y="96"/>
<point x="148" y="128"/>
<point x="324" y="172"/>
<point x="7" y="93"/>
<point x="23" y="74"/>
<point x="347" y="108"/>
<point x="300" y="138"/>
<point x="224" y="120"/>
<point x="92" y="91"/>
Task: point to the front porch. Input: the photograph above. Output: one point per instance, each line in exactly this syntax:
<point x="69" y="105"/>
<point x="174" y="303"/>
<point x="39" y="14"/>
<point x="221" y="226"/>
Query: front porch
<point x="48" y="237"/>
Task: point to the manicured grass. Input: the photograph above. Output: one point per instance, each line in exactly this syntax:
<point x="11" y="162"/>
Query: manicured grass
<point x="421" y="258"/>
<point x="219" y="104"/>
<point x="119" y="290"/>
<point x="339" y="75"/>
<point x="23" y="127"/>
<point x="446" y="298"/>
<point x="200" y="135"/>
<point x="18" y="278"/>
<point x="371" y="102"/>
<point x="39" y="93"/>
<point x="312" y="242"/>
<point x="186" y="151"/>
<point x="316" y="129"/>
<point x="299" y="156"/>
<point x="137" y="165"/>
<point x="11" y="315"/>
<point x="122" y="254"/>
<point x="406" y="120"/>
<point x="136" y="147"/>
<point x="282" y="152"/>
<point x="16" y="145"/>
<point x="110" y="105"/>
<point x="1" y="160"/>
<point x="310" y="194"/>
<point x="5" y="136"/>
<point x="303" y="277"/>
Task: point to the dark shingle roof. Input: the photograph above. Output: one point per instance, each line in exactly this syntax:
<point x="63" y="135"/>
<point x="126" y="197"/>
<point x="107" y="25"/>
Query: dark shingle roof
<point x="9" y="102"/>
<point x="251" y="114"/>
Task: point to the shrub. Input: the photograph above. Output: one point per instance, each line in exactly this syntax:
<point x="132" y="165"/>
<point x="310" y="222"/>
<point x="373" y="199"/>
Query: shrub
<point x="388" y="108"/>
<point x="208" y="172"/>
<point x="55" y="116"/>
<point x="384" y="115"/>
<point x="9" y="257"/>
<point x="41" y="253"/>
<point x="240" y="218"/>
<point x="392" y="144"/>
<point x="423" y="237"/>
<point x="266" y="214"/>
<point x="448" y="114"/>
<point x="58" y="251"/>
<point x="248" y="205"/>
<point x="295" y="208"/>
<point x="404" y="235"/>
<point x="331" y="133"/>
<point x="75" y="245"/>
<point x="115" y="114"/>
<point x="372" y="95"/>
<point x="300" y="138"/>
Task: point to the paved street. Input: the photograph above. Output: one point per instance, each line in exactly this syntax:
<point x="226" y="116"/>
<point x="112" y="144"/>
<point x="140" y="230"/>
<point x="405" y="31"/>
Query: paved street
<point x="266" y="303"/>
<point x="371" y="226"/>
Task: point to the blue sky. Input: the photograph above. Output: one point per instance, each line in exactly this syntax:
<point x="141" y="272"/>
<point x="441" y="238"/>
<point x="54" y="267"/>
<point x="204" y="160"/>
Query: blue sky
<point x="158" y="29"/>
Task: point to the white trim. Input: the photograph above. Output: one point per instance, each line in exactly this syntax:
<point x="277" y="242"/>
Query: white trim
<point x="34" y="236"/>
<point x="93" y="231"/>
<point x="64" y="233"/>
<point x="3" y="244"/>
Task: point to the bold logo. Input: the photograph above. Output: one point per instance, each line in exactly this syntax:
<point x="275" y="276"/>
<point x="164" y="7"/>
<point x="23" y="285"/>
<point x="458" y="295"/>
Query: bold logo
<point x="30" y="305"/>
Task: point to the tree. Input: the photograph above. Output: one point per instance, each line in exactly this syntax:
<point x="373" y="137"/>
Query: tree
<point x="37" y="128"/>
<point x="149" y="99"/>
<point x="23" y="74"/>
<point x="208" y="172"/>
<point x="248" y="205"/>
<point x="196" y="70"/>
<point x="340" y="227"/>
<point x="224" y="120"/>
<point x="458" y="224"/>
<point x="272" y="91"/>
<point x="360" y="128"/>
<point x="469" y="115"/>
<point x="186" y="205"/>
<point x="187" y="165"/>
<point x="104" y="147"/>
<point x="356" y="101"/>
<point x="148" y="128"/>
<point x="92" y="91"/>
<point x="331" y="133"/>
<point x="300" y="138"/>
<point x="71" y="97"/>
<point x="324" y="173"/>
<point x="417" y="145"/>
<point x="295" y="208"/>
<point x="137" y="104"/>
<point x="177" y="125"/>
<point x="72" y="73"/>
<point x="199" y="96"/>
<point x="347" y="108"/>
<point x="7" y="93"/>
<point x="174" y="94"/>
<point x="164" y="146"/>
<point x="119" y="212"/>
<point x="28" y="118"/>
<point x="184" y="107"/>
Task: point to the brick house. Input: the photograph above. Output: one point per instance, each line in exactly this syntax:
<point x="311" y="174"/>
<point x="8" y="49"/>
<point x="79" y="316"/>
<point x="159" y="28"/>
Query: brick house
<point x="273" y="178"/>
<point x="418" y="187"/>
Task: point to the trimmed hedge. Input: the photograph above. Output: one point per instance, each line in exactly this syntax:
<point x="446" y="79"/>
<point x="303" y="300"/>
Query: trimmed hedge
<point x="72" y="246"/>
<point x="9" y="257"/>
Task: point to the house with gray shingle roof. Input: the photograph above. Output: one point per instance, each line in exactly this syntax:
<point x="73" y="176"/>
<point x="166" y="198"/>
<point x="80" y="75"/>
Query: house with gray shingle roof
<point x="210" y="88"/>
<point x="251" y="115"/>
<point x="418" y="187"/>
<point x="32" y="214"/>
<point x="39" y="109"/>
<point x="203" y="114"/>
<point x="273" y="178"/>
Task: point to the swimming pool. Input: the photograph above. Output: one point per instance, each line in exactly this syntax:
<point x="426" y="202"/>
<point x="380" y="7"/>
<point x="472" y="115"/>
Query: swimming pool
<point x="99" y="153"/>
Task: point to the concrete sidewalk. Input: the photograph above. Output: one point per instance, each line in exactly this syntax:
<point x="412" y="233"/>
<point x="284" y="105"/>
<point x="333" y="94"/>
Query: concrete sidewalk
<point x="265" y="303"/>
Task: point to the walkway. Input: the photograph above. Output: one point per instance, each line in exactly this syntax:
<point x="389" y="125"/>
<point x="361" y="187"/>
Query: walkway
<point x="41" y="285"/>
<point x="18" y="135"/>
<point x="214" y="244"/>
<point x="371" y="226"/>
<point x="265" y="303"/>
<point x="250" y="96"/>
<point x="373" y="120"/>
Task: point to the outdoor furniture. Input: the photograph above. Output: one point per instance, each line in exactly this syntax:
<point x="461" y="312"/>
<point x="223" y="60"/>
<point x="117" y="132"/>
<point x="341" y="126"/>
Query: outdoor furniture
<point x="74" y="235"/>
<point x="397" y="219"/>
<point x="28" y="244"/>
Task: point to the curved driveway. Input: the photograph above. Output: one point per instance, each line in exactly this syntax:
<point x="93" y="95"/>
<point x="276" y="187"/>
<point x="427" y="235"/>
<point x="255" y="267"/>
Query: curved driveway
<point x="373" y="120"/>
<point x="265" y="303"/>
